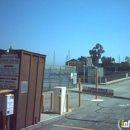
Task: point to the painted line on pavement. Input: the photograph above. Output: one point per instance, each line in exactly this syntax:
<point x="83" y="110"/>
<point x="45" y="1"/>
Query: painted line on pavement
<point x="70" y="127"/>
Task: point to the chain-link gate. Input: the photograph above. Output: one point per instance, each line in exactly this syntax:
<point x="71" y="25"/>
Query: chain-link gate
<point x="58" y="76"/>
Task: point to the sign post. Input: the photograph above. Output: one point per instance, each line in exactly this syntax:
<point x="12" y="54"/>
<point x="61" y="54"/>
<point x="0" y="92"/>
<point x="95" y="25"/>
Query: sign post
<point x="79" y="93"/>
<point x="96" y="97"/>
<point x="4" y="123"/>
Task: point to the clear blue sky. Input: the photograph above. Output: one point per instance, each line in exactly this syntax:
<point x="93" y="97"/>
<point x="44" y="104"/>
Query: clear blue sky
<point x="45" y="26"/>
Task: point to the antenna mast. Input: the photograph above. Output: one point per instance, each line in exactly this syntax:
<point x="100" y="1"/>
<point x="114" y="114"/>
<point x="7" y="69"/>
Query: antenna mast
<point x="54" y="59"/>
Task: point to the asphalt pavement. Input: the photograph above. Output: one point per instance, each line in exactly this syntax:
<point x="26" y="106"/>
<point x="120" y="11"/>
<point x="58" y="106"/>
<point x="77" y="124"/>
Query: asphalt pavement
<point x="102" y="114"/>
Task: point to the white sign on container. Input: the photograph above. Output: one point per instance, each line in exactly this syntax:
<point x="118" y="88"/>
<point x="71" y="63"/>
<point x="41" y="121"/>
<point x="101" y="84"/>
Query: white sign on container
<point x="24" y="86"/>
<point x="8" y="104"/>
<point x="9" y="71"/>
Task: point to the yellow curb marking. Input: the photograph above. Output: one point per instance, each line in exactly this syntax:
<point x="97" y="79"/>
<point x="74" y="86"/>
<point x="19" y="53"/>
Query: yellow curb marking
<point x="78" y="128"/>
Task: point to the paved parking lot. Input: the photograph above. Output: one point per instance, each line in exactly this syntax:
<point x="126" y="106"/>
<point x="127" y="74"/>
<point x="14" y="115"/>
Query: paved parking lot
<point x="95" y="115"/>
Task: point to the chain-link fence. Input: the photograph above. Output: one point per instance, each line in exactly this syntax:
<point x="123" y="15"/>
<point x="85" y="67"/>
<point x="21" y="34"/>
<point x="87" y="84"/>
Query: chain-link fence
<point x="82" y="73"/>
<point x="117" y="76"/>
<point x="58" y="76"/>
<point x="110" y="76"/>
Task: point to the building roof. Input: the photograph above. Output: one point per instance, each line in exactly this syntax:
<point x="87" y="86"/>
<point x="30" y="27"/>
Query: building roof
<point x="73" y="60"/>
<point x="85" y="57"/>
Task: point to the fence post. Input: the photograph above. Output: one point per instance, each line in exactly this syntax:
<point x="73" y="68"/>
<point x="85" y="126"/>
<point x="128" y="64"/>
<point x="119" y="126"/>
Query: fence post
<point x="52" y="101"/>
<point x="96" y="97"/>
<point x="59" y="105"/>
<point x="42" y="104"/>
<point x="50" y="77"/>
<point x="84" y="72"/>
<point x="79" y="93"/>
<point x="67" y="102"/>
<point x="68" y="80"/>
<point x="105" y="80"/>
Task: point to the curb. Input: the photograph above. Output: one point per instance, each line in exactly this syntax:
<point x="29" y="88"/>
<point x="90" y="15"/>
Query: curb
<point x="114" y="81"/>
<point x="48" y="121"/>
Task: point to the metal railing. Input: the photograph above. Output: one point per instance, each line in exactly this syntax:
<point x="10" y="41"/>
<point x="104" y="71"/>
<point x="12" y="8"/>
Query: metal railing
<point x="103" y="79"/>
<point x="117" y="76"/>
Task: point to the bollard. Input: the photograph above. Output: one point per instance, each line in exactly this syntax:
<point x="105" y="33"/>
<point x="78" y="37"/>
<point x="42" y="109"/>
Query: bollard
<point x="67" y="102"/>
<point x="42" y="104"/>
<point x="96" y="97"/>
<point x="105" y="80"/>
<point x="79" y="93"/>
<point x="52" y="101"/>
<point x="59" y="104"/>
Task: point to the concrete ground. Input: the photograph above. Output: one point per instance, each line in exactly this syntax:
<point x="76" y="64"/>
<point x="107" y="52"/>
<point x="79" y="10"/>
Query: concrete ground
<point x="101" y="114"/>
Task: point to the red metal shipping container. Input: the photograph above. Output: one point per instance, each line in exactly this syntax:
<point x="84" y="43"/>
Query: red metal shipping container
<point x="27" y="97"/>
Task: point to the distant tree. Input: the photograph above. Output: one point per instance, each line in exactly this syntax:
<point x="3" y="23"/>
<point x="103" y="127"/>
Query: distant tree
<point x="127" y="59"/>
<point x="96" y="53"/>
<point x="107" y="61"/>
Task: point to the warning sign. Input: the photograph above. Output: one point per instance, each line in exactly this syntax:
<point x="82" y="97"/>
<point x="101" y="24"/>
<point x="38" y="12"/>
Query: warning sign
<point x="9" y="71"/>
<point x="98" y="91"/>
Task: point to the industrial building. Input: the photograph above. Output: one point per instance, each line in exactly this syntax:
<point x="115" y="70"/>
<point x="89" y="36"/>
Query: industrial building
<point x="82" y="61"/>
<point x="86" y="60"/>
